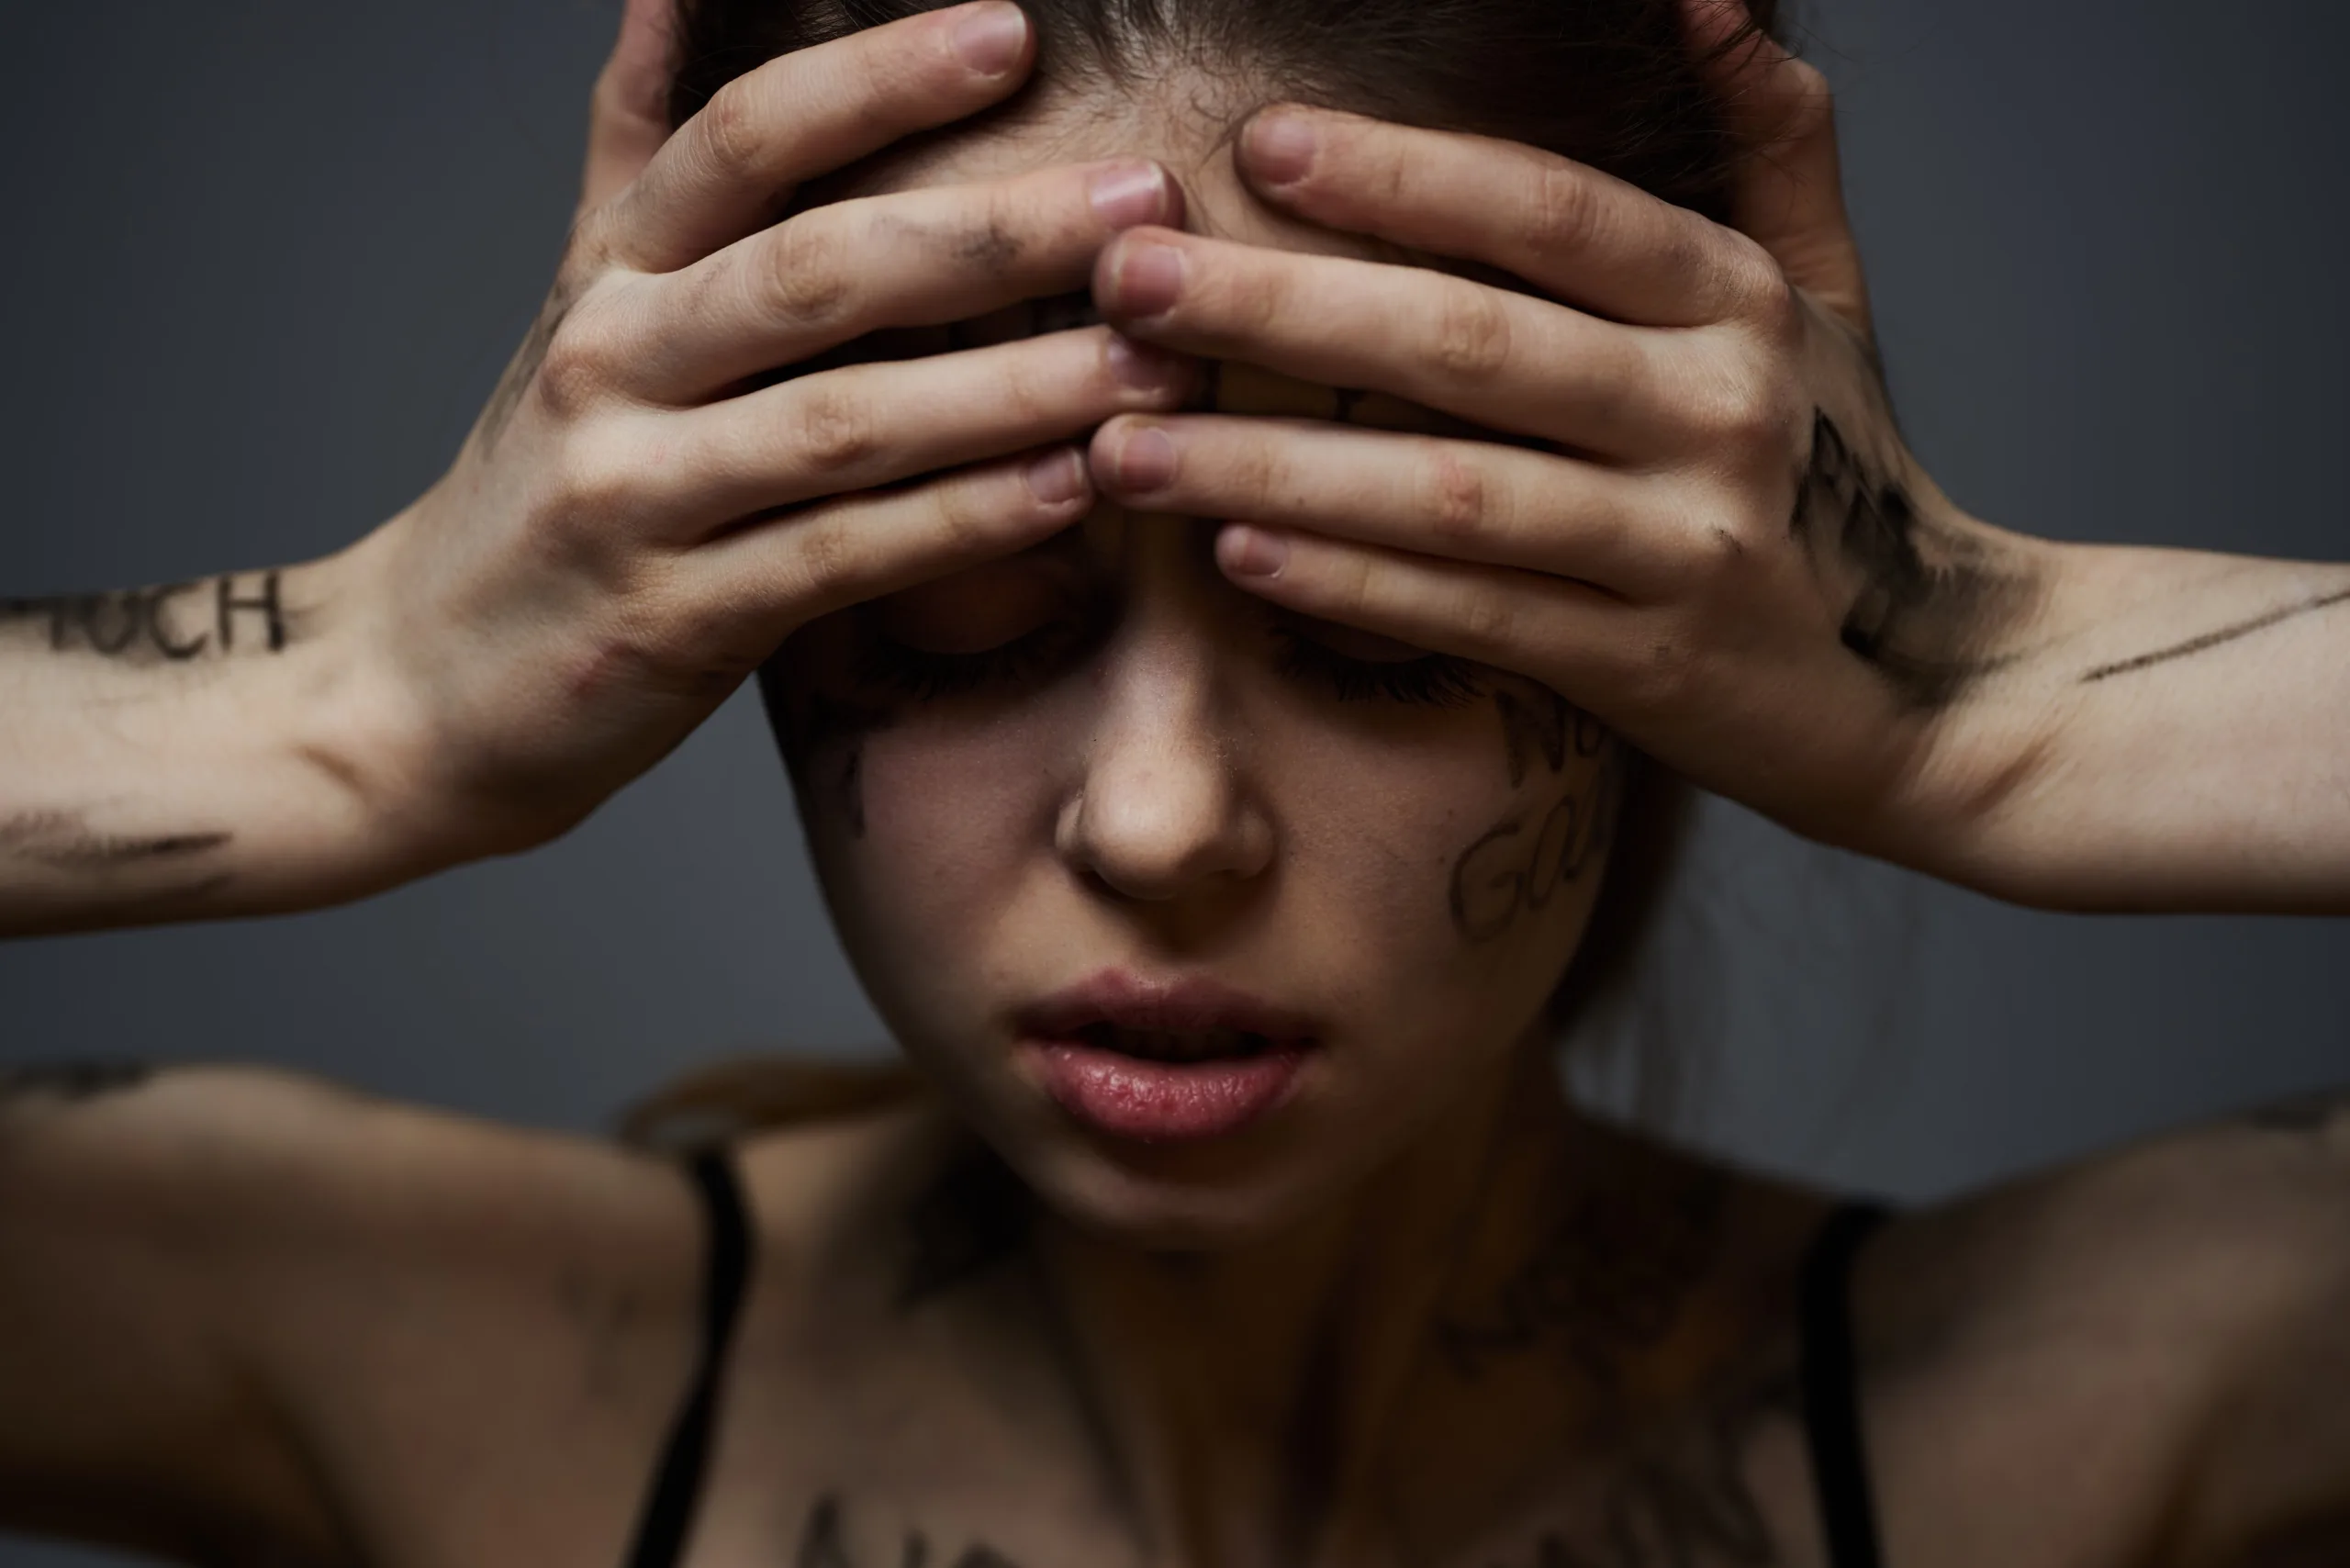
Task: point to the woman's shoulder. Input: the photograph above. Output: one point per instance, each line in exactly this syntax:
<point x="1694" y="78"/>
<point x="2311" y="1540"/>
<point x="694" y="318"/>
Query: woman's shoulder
<point x="343" y="1311"/>
<point x="2163" y="1323"/>
<point x="2237" y="1221"/>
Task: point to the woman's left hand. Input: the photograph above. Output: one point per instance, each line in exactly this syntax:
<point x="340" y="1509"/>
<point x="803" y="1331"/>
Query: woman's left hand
<point x="1712" y="539"/>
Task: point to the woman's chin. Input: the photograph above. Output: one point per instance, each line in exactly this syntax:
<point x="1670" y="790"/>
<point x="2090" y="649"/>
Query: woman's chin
<point x="1173" y="1200"/>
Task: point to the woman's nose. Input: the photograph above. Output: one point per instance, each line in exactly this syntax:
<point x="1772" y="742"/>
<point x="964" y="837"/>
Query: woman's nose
<point x="1164" y="808"/>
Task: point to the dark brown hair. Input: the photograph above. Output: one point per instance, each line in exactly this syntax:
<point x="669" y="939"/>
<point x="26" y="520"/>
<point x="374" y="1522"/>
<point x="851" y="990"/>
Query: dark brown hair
<point x="1613" y="83"/>
<point x="1608" y="83"/>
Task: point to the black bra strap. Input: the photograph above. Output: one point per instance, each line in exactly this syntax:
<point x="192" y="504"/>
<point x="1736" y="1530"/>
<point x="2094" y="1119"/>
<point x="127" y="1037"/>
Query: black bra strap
<point x="1832" y="1393"/>
<point x="661" y="1535"/>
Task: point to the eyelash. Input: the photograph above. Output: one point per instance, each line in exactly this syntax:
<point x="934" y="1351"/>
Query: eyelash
<point x="925" y="677"/>
<point x="1438" y="680"/>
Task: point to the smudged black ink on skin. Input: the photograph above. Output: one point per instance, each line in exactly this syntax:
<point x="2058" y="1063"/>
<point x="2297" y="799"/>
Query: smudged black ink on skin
<point x="1929" y="598"/>
<point x="823" y="1544"/>
<point x="1611" y="1278"/>
<point x="808" y="727"/>
<point x="1510" y="871"/>
<point x="1546" y="724"/>
<point x="976" y="1215"/>
<point x="523" y="371"/>
<point x="153" y="625"/>
<point x="74" y="1083"/>
<point x="2210" y="640"/>
<point x="64" y="841"/>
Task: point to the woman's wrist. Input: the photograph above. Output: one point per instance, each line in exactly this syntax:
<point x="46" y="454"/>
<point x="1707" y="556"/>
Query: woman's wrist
<point x="2165" y="732"/>
<point x="221" y="749"/>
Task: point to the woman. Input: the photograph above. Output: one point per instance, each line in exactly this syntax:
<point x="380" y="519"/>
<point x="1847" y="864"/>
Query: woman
<point x="1227" y="890"/>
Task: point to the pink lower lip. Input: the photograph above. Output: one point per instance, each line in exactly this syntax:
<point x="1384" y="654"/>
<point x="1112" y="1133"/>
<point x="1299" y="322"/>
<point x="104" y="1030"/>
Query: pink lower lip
<point x="1160" y="1101"/>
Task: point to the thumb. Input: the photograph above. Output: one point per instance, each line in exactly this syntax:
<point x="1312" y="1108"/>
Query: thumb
<point x="1789" y="193"/>
<point x="630" y="117"/>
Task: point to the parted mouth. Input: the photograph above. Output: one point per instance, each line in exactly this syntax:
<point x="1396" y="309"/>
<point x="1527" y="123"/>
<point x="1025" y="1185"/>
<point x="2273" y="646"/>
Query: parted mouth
<point x="1176" y="1044"/>
<point x="1181" y="1020"/>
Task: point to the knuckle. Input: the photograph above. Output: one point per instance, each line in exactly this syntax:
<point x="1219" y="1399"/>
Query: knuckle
<point x="981" y="512"/>
<point x="834" y="431"/>
<point x="1761" y="290"/>
<point x="824" y="554"/>
<point x="1740" y="408"/>
<point x="1473" y="334"/>
<point x="599" y="481"/>
<point x="578" y="372"/>
<point x="728" y="134"/>
<point x="1453" y="494"/>
<point x="1562" y="212"/>
<point x="804" y="281"/>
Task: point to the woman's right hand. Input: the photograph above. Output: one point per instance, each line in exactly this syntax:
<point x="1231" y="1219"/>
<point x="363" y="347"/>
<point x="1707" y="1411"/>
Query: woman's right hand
<point x="629" y="532"/>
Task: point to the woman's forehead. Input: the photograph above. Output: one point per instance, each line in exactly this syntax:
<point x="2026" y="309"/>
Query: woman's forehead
<point x="1197" y="149"/>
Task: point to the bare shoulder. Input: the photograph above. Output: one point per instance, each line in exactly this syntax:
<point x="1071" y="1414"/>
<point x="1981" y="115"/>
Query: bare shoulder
<point x="326" y="1317"/>
<point x="2179" y="1309"/>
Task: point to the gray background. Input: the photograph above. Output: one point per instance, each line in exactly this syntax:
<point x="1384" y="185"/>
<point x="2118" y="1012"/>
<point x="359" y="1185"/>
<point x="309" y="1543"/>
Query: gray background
<point x="267" y="257"/>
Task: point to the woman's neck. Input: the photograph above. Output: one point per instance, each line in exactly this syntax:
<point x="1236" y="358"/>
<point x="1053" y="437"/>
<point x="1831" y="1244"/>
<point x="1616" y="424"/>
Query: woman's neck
<point x="1266" y="1403"/>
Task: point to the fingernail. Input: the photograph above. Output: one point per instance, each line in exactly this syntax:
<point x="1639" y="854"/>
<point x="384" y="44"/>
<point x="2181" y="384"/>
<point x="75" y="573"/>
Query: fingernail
<point x="1143" y="367"/>
<point x="1057" y="477"/>
<point x="990" y="38"/>
<point x="1145" y="460"/>
<point x="1150" y="277"/>
<point x="1247" y="552"/>
<point x="1281" y="148"/>
<point x="1130" y="194"/>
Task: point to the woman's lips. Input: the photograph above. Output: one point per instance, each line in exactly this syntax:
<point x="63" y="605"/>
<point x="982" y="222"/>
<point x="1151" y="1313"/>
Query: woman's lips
<point x="1135" y="1058"/>
<point x="1165" y="1102"/>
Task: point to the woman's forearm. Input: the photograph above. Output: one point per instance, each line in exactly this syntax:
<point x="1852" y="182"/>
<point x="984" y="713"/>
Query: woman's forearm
<point x="2176" y="726"/>
<point x="194" y="750"/>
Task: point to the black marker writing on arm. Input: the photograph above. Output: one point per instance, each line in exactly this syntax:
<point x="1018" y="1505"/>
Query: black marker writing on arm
<point x="173" y="624"/>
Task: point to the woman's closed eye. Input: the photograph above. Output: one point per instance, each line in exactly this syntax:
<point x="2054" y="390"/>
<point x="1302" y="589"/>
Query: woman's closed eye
<point x="1358" y="667"/>
<point x="1013" y="624"/>
<point x="990" y="627"/>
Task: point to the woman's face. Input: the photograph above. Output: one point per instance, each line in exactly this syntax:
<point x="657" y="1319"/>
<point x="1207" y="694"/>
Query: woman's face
<point x="1198" y="911"/>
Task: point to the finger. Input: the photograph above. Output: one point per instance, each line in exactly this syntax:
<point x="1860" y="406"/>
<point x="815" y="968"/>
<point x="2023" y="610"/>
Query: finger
<point x="868" y="425"/>
<point x="1504" y="361"/>
<point x="1566" y="635"/>
<point x="1464" y="501"/>
<point x="629" y="116"/>
<point x="914" y="258"/>
<point x="733" y="167"/>
<point x="1565" y="228"/>
<point x="1789" y="191"/>
<point x="850" y="548"/>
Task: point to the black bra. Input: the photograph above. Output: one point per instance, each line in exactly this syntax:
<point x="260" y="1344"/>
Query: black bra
<point x="1831" y="1408"/>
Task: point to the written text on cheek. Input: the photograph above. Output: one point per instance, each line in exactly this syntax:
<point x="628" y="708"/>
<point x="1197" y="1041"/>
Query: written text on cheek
<point x="1521" y="862"/>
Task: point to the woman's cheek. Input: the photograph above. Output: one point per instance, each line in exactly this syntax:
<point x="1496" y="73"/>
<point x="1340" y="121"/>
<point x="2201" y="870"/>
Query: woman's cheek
<point x="1466" y="866"/>
<point x="956" y="822"/>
